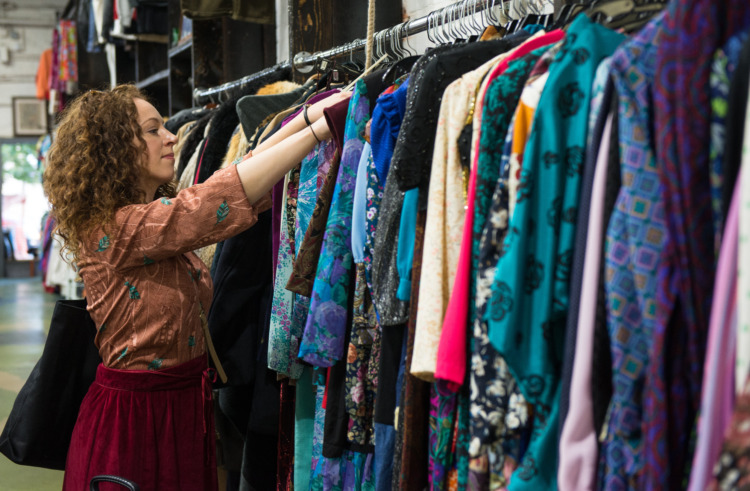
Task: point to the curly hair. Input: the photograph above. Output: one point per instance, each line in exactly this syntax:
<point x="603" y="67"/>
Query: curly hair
<point x="93" y="169"/>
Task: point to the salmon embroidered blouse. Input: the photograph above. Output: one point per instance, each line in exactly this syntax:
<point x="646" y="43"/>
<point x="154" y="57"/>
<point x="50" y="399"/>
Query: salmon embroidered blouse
<point x="143" y="282"/>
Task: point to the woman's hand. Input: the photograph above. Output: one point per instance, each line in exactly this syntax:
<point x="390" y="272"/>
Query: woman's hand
<point x="315" y="111"/>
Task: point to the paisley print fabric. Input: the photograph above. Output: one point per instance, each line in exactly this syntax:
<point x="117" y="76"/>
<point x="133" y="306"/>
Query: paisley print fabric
<point x="692" y="32"/>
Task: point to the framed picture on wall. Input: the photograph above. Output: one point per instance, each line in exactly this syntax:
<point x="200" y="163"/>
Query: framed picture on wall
<point x="29" y="116"/>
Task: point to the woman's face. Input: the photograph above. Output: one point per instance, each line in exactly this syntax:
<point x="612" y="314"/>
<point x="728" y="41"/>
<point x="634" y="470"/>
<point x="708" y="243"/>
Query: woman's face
<point x="159" y="157"/>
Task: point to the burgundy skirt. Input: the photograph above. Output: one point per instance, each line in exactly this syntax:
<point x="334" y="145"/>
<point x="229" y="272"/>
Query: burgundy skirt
<point x="155" y="428"/>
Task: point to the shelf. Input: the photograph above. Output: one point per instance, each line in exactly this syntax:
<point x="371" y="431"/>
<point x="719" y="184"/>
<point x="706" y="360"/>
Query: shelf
<point x="147" y="38"/>
<point x="181" y="48"/>
<point x="156" y="77"/>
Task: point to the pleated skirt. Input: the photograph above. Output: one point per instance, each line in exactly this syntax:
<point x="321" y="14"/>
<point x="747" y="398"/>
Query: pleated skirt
<point x="155" y="428"/>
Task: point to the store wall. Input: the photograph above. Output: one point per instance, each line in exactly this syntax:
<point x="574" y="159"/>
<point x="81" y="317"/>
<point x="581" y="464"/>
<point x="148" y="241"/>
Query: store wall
<point x="25" y="32"/>
<point x="411" y="9"/>
<point x="420" y="8"/>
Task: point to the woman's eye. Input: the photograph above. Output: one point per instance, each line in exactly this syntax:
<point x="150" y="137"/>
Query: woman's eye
<point x="153" y="132"/>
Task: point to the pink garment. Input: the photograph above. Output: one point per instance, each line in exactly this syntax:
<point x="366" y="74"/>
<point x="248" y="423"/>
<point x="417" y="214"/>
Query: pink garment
<point x="578" y="447"/>
<point x="717" y="393"/>
<point x="68" y="51"/>
<point x="451" y="359"/>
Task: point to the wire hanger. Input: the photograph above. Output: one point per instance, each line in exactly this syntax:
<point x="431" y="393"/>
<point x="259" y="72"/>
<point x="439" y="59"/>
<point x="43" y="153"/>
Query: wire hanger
<point x="349" y="87"/>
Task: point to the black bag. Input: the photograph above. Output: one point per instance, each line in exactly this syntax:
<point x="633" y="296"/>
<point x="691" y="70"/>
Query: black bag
<point x="40" y="425"/>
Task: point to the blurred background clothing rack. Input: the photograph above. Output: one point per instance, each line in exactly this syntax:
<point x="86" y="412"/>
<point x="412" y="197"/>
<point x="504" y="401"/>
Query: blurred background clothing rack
<point x="460" y="19"/>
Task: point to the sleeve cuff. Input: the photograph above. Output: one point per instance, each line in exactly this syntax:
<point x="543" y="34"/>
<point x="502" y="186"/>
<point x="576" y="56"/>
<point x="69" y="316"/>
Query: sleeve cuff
<point x="404" y="289"/>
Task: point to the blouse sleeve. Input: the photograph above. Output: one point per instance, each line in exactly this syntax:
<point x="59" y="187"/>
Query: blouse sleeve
<point x="199" y="215"/>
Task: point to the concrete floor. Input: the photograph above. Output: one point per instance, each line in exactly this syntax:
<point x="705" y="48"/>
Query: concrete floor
<point x="25" y="312"/>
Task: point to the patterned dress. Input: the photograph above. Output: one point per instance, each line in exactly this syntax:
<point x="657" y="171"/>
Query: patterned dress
<point x="323" y="338"/>
<point x="530" y="290"/>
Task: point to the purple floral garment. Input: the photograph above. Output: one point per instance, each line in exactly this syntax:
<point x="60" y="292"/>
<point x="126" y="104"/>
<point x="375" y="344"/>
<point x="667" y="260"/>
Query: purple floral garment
<point x="312" y="174"/>
<point x="323" y="339"/>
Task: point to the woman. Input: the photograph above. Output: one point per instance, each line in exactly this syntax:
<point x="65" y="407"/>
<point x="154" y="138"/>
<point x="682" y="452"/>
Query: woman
<point x="148" y="416"/>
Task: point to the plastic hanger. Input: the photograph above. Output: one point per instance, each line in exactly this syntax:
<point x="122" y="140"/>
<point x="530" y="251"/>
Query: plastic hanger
<point x="404" y="59"/>
<point x="366" y="72"/>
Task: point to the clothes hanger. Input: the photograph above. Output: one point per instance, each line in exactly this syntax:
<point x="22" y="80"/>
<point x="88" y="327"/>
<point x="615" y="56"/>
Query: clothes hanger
<point x="403" y="36"/>
<point x="405" y="60"/>
<point x="567" y="13"/>
<point x="438" y="33"/>
<point x="429" y="29"/>
<point x="462" y="19"/>
<point x="444" y="27"/>
<point x="349" y="87"/>
<point x="537" y="16"/>
<point x="473" y="23"/>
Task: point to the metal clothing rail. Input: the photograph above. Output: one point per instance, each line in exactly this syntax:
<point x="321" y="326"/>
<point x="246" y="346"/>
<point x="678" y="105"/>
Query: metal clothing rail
<point x="446" y="18"/>
<point x="203" y="96"/>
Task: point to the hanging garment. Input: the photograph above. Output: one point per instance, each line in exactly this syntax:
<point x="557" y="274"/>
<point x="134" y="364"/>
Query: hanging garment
<point x="242" y="298"/>
<point x="578" y="439"/>
<point x="68" y="54"/>
<point x="222" y="126"/>
<point x="392" y="311"/>
<point x="253" y="109"/>
<point x="386" y="123"/>
<point x="722" y="71"/>
<point x="499" y="411"/>
<point x="727" y="461"/>
<point x="529" y="294"/>
<point x="411" y="455"/>
<point x="446" y="212"/>
<point x="302" y="279"/>
<point x="735" y="161"/>
<point x="453" y="344"/>
<point x="431" y="74"/>
<point x="735" y="123"/>
<point x="43" y="74"/>
<point x="363" y="353"/>
<point x="601" y="101"/>
<point x="311" y="177"/>
<point x="674" y="376"/>
<point x="718" y="390"/>
<point x="405" y="252"/>
<point x="190" y="145"/>
<point x="282" y="345"/>
<point x="638" y="225"/>
<point x="322" y="342"/>
<point x="412" y="157"/>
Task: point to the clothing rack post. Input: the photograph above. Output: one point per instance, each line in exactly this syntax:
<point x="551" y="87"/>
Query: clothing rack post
<point x="436" y="18"/>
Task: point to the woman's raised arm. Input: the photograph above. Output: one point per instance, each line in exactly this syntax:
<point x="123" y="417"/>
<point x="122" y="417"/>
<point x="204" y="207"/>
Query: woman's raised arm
<point x="266" y="165"/>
